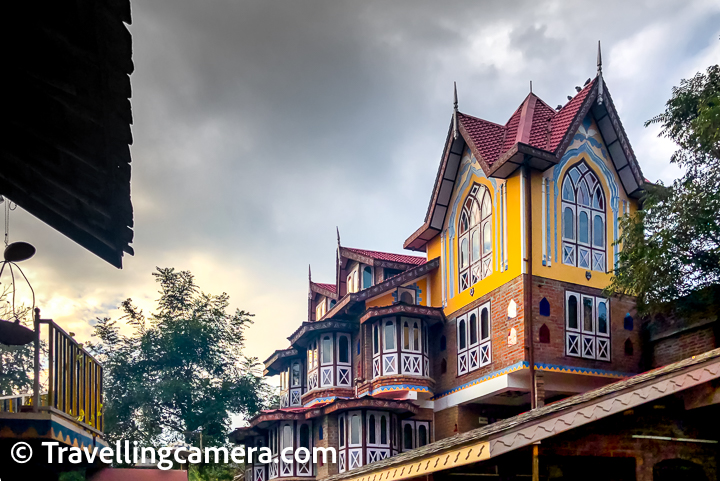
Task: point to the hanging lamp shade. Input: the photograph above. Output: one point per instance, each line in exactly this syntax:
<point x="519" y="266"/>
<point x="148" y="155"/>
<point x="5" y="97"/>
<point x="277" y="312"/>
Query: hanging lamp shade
<point x="18" y="252"/>
<point x="15" y="334"/>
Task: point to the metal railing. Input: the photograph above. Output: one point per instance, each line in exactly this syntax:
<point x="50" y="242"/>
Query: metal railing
<point x="74" y="379"/>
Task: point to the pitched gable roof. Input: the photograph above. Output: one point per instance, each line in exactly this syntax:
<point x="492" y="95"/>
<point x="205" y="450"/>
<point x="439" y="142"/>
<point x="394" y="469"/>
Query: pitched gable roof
<point x="387" y="256"/>
<point x="535" y="134"/>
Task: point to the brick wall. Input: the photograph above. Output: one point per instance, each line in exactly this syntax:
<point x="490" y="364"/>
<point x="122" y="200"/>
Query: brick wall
<point x="683" y="345"/>
<point x="554" y="352"/>
<point x="330" y="440"/>
<point x="502" y="354"/>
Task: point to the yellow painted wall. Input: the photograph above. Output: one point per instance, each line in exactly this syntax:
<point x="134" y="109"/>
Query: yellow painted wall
<point x="469" y="174"/>
<point x="387" y="299"/>
<point x="587" y="145"/>
<point x="556" y="269"/>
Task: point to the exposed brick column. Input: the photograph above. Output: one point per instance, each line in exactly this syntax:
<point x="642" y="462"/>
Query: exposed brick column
<point x="539" y="389"/>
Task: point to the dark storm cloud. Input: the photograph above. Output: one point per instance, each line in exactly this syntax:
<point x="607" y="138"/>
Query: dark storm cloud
<point x="261" y="125"/>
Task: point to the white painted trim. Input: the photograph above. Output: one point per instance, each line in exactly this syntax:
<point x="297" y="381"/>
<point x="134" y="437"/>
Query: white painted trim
<point x="491" y="386"/>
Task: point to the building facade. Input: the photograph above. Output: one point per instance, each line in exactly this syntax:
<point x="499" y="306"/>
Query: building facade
<point x="503" y="311"/>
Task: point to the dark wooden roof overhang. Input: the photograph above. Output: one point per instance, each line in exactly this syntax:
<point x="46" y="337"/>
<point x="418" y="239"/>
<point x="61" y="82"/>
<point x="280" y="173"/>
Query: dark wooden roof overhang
<point x="431" y="314"/>
<point x="265" y="419"/>
<point x="317" y="289"/>
<point x="66" y="125"/>
<point x="536" y="425"/>
<point x="309" y="329"/>
<point x="279" y="360"/>
<point x="442" y="191"/>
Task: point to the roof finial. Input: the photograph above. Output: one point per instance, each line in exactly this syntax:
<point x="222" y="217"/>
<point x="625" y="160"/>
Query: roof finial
<point x="309" y="273"/>
<point x="531" y="86"/>
<point x="455" y="111"/>
<point x="338" y="234"/>
<point x="599" y="74"/>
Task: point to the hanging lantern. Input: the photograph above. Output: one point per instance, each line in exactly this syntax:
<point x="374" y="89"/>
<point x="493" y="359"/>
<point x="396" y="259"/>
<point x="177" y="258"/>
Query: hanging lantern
<point x="12" y="333"/>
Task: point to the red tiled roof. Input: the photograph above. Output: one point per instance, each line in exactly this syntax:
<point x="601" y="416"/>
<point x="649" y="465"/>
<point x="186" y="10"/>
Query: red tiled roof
<point x="544" y="130"/>
<point x="386" y="256"/>
<point x="562" y="120"/>
<point x="329" y="287"/>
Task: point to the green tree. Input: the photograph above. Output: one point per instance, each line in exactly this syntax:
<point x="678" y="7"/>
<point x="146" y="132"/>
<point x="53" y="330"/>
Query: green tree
<point x="16" y="362"/>
<point x="671" y="248"/>
<point x="181" y="369"/>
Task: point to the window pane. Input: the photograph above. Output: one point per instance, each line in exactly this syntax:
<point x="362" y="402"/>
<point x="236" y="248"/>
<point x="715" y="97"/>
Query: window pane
<point x="304" y="436"/>
<point x="572" y="312"/>
<point x="568" y="223"/>
<point x="367" y="277"/>
<point x="296" y="374"/>
<point x="422" y="435"/>
<point x="474" y="215"/>
<point x="475" y="246"/>
<point x="464" y="222"/>
<point x="407" y="437"/>
<point x="389" y="336"/>
<point x="416" y="337"/>
<point x="406" y="336"/>
<point x="341" y="428"/>
<point x="487" y="238"/>
<point x="287" y="436"/>
<point x="598" y="199"/>
<point x="344" y="348"/>
<point x="487" y="205"/>
<point x="484" y="324"/>
<point x="583" y="228"/>
<point x="568" y="193"/>
<point x="355" y="429"/>
<point x="407" y="298"/>
<point x="371" y="429"/>
<point x="602" y="317"/>
<point x="583" y="194"/>
<point x="376" y="339"/>
<point x="464" y="253"/>
<point x="462" y="339"/>
<point x="587" y="314"/>
<point x="598" y="232"/>
<point x="383" y="430"/>
<point x="473" y="329"/>
<point x="327" y="348"/>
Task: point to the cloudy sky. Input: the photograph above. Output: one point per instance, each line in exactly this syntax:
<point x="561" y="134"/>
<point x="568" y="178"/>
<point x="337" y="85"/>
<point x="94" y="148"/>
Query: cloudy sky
<point x="261" y="125"/>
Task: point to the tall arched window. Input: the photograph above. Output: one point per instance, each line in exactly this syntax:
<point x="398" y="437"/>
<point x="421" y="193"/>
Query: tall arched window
<point x="583" y="219"/>
<point x="475" y="237"/>
<point x="367" y="277"/>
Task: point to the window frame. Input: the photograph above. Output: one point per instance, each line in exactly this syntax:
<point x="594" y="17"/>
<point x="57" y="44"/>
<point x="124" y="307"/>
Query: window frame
<point x="582" y="342"/>
<point x="471" y="270"/>
<point x="585" y="255"/>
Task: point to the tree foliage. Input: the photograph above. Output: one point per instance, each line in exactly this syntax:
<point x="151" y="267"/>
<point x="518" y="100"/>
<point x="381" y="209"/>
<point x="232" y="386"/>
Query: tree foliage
<point x="671" y="248"/>
<point x="179" y="370"/>
<point x="16" y="362"/>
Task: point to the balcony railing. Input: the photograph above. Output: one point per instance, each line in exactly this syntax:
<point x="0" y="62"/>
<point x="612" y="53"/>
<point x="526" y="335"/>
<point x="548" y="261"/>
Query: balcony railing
<point x="74" y="380"/>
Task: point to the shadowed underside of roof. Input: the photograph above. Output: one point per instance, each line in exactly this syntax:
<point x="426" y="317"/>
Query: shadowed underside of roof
<point x="66" y="126"/>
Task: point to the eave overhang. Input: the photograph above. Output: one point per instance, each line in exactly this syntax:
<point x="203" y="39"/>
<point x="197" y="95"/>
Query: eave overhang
<point x="278" y="360"/>
<point x="308" y="329"/>
<point x="431" y="314"/>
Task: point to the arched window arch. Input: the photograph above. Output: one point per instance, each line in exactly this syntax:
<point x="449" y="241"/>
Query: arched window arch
<point x="544" y="334"/>
<point x="366" y="277"/>
<point x="462" y="341"/>
<point x="443" y="366"/>
<point x="475" y="237"/>
<point x="344" y="349"/>
<point x="583" y="219"/>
